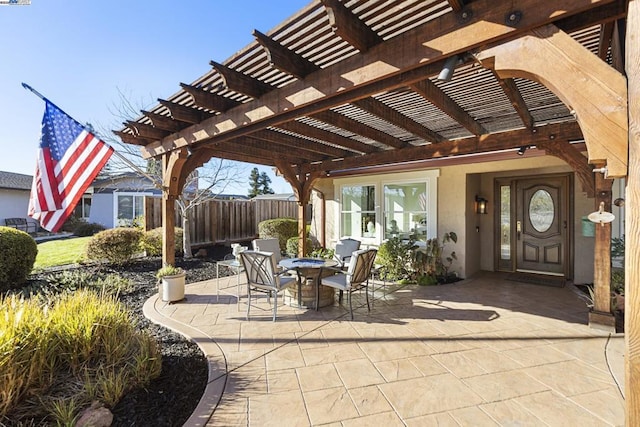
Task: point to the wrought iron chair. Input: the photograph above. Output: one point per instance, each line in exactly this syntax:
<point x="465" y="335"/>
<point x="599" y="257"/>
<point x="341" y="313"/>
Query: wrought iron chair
<point x="343" y="251"/>
<point x="263" y="276"/>
<point x="356" y="277"/>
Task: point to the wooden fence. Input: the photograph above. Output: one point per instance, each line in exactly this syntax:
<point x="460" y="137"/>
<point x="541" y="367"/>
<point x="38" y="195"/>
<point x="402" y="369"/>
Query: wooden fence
<point x="223" y="221"/>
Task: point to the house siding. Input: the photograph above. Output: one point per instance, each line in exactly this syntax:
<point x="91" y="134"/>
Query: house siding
<point x="102" y="209"/>
<point x="457" y="187"/>
<point x="15" y="204"/>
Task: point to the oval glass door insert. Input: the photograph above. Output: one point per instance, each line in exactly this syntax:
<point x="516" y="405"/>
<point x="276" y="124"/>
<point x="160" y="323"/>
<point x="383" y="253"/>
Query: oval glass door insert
<point x="541" y="210"/>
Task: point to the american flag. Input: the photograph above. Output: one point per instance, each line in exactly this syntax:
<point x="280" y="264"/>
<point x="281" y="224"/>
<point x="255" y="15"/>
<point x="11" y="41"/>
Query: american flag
<point x="69" y="159"/>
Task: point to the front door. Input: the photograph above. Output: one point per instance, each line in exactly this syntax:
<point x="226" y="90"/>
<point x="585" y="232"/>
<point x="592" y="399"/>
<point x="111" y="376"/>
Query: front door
<point x="534" y="225"/>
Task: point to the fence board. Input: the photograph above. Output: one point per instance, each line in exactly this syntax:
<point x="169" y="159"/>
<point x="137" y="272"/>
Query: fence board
<point x="223" y="221"/>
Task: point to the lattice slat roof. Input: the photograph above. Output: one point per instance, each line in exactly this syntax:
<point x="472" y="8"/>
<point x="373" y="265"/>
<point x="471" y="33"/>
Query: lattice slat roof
<point x="399" y="115"/>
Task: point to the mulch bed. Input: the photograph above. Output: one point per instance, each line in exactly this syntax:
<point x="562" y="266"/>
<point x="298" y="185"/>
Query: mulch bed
<point x="169" y="399"/>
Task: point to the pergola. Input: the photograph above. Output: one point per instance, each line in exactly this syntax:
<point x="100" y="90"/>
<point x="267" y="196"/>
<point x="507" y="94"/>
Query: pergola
<point x="347" y="85"/>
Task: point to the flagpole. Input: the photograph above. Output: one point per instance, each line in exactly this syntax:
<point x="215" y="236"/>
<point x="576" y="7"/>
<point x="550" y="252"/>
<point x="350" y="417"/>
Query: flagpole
<point x="122" y="157"/>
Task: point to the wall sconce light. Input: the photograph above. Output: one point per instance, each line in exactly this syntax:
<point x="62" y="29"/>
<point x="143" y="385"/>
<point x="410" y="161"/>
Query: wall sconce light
<point x="481" y="205"/>
<point x="448" y="68"/>
<point x="522" y="150"/>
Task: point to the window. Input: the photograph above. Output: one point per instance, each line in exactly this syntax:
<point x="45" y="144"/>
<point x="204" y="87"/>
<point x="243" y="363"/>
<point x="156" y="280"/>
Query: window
<point x="405" y="210"/>
<point x="83" y="208"/>
<point x="129" y="207"/>
<point x="403" y="205"/>
<point x="358" y="216"/>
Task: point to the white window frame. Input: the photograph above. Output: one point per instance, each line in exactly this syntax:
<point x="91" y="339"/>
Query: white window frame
<point x="82" y="204"/>
<point x="364" y="238"/>
<point x="117" y="194"/>
<point x="429" y="176"/>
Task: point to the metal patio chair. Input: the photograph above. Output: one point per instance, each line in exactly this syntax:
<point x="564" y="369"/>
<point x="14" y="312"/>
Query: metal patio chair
<point x="263" y="276"/>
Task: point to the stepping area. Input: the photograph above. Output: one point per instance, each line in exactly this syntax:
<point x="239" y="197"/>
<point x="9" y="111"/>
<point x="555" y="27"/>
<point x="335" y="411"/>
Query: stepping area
<point x="485" y="351"/>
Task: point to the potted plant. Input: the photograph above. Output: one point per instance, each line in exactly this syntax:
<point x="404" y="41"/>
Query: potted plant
<point x="172" y="280"/>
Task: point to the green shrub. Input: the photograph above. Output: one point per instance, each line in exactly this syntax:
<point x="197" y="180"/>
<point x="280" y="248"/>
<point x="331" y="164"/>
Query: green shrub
<point x="280" y="228"/>
<point x="85" y="229"/>
<point x="116" y="246"/>
<point x="18" y="253"/>
<point x="83" y="347"/>
<point x="292" y="247"/>
<point x="152" y="241"/>
<point x="71" y="223"/>
<point x="394" y="257"/>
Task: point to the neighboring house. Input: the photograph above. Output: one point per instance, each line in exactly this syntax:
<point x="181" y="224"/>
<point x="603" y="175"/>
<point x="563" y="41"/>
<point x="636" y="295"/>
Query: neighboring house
<point x="15" y="189"/>
<point x="288" y="197"/>
<point x="535" y="219"/>
<point x="116" y="201"/>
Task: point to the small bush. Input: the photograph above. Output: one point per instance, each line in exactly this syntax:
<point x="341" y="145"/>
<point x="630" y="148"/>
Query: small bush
<point x="85" y="229"/>
<point x="394" y="256"/>
<point x="82" y="347"/>
<point x="116" y="246"/>
<point x="18" y="253"/>
<point x="73" y="280"/>
<point x="281" y="228"/>
<point x="292" y="247"/>
<point x="152" y="241"/>
<point x="71" y="223"/>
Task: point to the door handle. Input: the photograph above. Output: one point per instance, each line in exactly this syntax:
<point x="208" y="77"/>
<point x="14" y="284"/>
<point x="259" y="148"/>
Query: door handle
<point x="518" y="229"/>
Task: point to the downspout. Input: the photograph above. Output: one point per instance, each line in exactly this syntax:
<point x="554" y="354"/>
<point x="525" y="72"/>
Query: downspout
<point x="323" y="211"/>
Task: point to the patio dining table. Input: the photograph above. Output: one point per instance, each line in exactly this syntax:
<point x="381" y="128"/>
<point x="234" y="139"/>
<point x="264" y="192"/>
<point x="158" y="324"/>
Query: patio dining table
<point x="311" y="269"/>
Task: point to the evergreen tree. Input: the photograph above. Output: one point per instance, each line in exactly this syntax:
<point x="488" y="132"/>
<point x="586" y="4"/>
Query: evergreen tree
<point x="254" y="183"/>
<point x="264" y="182"/>
<point x="259" y="183"/>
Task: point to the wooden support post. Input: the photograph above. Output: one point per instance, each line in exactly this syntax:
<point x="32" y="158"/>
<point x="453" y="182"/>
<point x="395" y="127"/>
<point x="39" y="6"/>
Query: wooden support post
<point x="168" y="218"/>
<point x="601" y="317"/>
<point x="632" y="223"/>
<point x="302" y="229"/>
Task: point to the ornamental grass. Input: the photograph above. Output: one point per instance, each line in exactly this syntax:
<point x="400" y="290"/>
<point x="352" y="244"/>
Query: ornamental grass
<point x="57" y="356"/>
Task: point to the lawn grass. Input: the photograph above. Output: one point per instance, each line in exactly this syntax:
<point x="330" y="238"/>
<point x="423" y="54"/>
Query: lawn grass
<point x="61" y="252"/>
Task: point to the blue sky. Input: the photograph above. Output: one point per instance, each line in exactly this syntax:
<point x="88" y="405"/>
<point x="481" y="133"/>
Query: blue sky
<point x="81" y="53"/>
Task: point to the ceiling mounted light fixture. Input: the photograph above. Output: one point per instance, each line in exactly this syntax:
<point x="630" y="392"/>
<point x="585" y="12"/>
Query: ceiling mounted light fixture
<point x="522" y="150"/>
<point x="448" y="68"/>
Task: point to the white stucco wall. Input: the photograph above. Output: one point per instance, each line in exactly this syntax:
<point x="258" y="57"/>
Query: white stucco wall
<point x="102" y="209"/>
<point x="14" y="204"/>
<point x="457" y="188"/>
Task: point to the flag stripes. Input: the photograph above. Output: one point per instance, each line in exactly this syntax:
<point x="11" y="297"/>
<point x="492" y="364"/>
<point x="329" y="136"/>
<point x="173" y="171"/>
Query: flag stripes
<point x="69" y="159"/>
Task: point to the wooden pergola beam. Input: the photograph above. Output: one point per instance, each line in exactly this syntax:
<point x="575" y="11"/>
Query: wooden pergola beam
<point x="605" y="40"/>
<point x="296" y="143"/>
<point x="406" y="58"/>
<point x="632" y="222"/>
<point x="428" y="90"/>
<point x="332" y="138"/>
<point x="599" y="102"/>
<point x="285" y="59"/>
<point x="350" y="29"/>
<point x="562" y="149"/>
<point x="456" y="5"/>
<point x="165" y="122"/>
<point x="383" y="111"/>
<point x="477" y="144"/>
<point x="280" y="150"/>
<point x="146" y="131"/>
<point x="183" y="113"/>
<point x="240" y="82"/>
<point x="209" y="100"/>
<point x="510" y="89"/>
<point x="343" y="122"/>
<point x="129" y="138"/>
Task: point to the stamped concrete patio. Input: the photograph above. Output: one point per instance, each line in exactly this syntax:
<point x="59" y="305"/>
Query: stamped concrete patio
<point x="482" y="352"/>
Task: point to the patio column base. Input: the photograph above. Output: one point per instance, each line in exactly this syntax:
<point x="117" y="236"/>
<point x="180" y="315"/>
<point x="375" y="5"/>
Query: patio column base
<point x="602" y="320"/>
